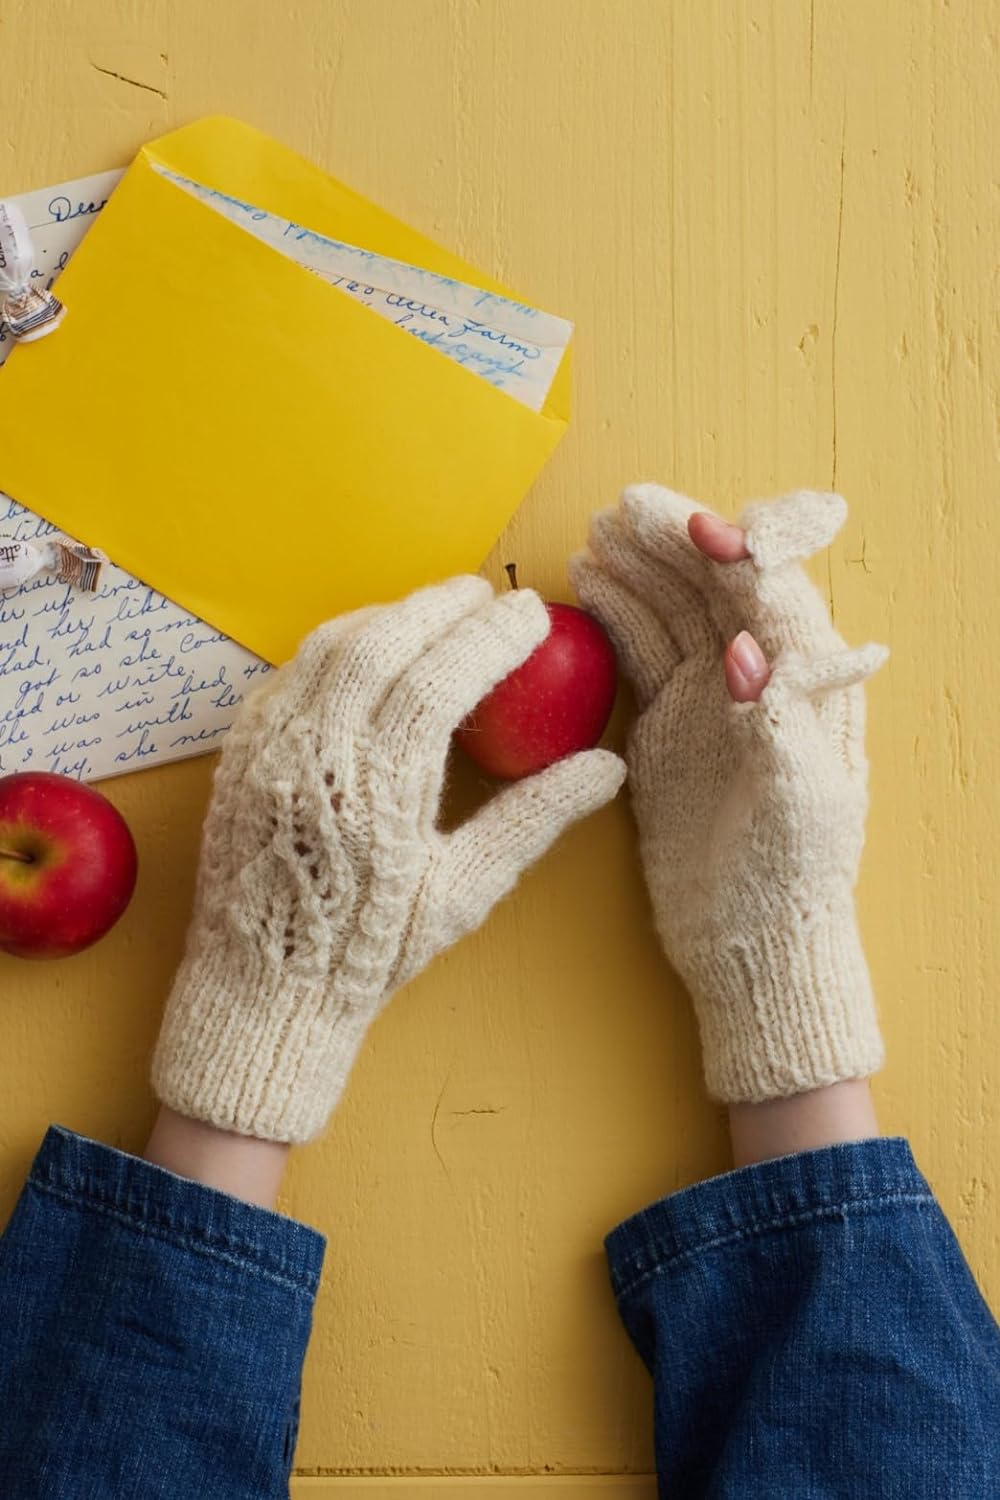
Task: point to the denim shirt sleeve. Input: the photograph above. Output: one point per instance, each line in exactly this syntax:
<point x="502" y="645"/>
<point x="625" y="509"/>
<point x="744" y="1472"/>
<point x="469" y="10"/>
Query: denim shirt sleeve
<point x="812" y="1330"/>
<point x="152" y="1333"/>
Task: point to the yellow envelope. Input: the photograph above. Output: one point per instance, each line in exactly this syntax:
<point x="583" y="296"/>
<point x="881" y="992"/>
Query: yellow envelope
<point x="240" y="434"/>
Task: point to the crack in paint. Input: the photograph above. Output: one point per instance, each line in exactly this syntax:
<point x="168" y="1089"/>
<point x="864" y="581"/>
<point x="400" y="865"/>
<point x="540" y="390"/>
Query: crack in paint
<point x="434" y="1120"/>
<point x="132" y="82"/>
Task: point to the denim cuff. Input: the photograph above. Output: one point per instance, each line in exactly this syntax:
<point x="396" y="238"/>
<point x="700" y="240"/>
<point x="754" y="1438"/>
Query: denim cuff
<point x="766" y="1198"/>
<point x="100" y="1179"/>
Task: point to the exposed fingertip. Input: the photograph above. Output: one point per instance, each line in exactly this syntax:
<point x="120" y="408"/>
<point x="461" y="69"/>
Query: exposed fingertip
<point x="747" y="671"/>
<point x="719" y="540"/>
<point x="741" y="689"/>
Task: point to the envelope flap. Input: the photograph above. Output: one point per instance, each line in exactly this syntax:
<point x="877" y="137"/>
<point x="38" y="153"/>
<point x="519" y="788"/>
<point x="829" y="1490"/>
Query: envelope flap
<point x="247" y="164"/>
<point x="269" y="453"/>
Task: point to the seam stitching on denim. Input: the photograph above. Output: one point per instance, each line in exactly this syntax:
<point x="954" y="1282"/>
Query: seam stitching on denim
<point x="92" y="1192"/>
<point x="766" y="1226"/>
<point x="187" y="1241"/>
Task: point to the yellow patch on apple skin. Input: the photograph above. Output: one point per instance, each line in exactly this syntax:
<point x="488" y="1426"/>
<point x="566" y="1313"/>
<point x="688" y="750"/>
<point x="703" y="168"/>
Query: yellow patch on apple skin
<point x="19" y="877"/>
<point x="22" y="875"/>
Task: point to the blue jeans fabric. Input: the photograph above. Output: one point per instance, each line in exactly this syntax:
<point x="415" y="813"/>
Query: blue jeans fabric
<point x="810" y="1324"/>
<point x="152" y="1333"/>
<point x="813" y="1331"/>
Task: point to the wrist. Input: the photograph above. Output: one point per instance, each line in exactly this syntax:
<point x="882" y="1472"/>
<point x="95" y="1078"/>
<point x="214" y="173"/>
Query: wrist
<point x="240" y="1165"/>
<point x="803" y="1122"/>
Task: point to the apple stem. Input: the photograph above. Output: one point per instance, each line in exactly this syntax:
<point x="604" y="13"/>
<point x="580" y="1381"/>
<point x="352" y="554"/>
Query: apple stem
<point x="25" y="859"/>
<point x="511" y="570"/>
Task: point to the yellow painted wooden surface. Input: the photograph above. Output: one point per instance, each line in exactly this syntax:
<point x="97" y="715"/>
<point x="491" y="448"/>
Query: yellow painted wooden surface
<point x="479" y="1487"/>
<point x="775" y="226"/>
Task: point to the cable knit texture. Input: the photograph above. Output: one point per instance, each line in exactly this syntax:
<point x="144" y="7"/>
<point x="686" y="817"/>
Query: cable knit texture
<point x="751" y="816"/>
<point x="324" y="883"/>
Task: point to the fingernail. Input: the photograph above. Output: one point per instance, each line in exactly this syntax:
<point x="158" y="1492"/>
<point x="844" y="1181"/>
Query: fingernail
<point x="748" y="657"/>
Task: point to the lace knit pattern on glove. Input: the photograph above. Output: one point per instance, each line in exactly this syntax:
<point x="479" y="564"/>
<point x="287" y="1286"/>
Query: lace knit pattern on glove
<point x="324" y="883"/>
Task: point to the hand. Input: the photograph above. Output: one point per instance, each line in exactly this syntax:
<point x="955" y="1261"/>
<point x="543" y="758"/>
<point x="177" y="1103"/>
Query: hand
<point x="324" y="884"/>
<point x="750" y="813"/>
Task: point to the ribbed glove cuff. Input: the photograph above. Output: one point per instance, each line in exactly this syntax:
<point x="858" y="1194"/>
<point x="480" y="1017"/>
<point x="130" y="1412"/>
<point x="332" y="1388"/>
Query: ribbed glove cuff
<point x="272" y="1069"/>
<point x="787" y="1011"/>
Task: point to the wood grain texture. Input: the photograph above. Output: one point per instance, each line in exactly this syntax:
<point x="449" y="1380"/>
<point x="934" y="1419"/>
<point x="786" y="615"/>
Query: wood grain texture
<point x="479" y="1487"/>
<point x="774" y="226"/>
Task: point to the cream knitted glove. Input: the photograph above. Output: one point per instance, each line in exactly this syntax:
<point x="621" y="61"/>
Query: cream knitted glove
<point x="751" y="816"/>
<point x="324" y="884"/>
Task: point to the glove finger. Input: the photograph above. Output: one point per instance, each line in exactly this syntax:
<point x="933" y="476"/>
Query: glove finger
<point x="657" y="519"/>
<point x="679" y="606"/>
<point x="842" y="669"/>
<point x="366" y="666"/>
<point x="426" y="705"/>
<point x="647" y="654"/>
<point x="793" y="527"/>
<point x="284" y="692"/>
<point x="776" y="602"/>
<point x="483" y="859"/>
<point x="811" y="703"/>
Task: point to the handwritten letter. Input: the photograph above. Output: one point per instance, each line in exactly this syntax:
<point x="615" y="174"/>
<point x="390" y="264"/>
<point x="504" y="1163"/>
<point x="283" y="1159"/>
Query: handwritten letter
<point x="58" y="218"/>
<point x="94" y="684"/>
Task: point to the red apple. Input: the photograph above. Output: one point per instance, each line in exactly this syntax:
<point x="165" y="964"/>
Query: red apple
<point x="67" y="865"/>
<point x="556" y="702"/>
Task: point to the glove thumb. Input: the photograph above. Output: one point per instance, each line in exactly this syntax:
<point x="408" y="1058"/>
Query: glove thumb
<point x="481" y="862"/>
